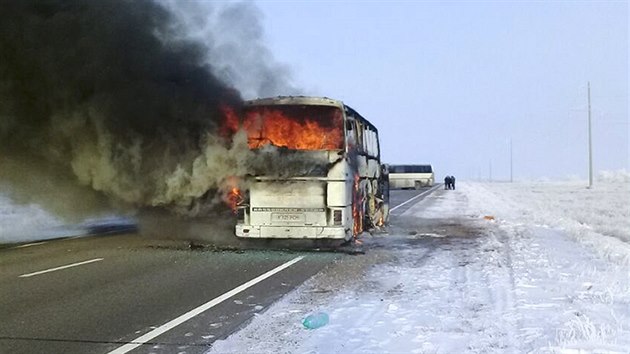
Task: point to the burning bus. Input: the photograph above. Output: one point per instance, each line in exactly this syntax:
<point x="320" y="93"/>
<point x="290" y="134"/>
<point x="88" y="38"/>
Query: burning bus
<point x="320" y="171"/>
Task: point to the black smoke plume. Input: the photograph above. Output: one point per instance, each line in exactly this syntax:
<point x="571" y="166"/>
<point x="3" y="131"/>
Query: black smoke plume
<point x="110" y="95"/>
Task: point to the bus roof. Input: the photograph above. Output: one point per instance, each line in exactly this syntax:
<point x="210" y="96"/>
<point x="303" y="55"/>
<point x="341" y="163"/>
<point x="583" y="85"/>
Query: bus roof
<point x="286" y="100"/>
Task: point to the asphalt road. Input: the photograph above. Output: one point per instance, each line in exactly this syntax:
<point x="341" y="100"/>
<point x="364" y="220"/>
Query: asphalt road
<point x="400" y="200"/>
<point x="98" y="294"/>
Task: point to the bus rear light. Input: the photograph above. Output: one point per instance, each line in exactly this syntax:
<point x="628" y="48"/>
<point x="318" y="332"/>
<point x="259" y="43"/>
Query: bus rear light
<point x="337" y="217"/>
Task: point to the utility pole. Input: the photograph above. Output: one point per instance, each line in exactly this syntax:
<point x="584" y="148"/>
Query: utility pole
<point x="511" y="164"/>
<point x="490" y="170"/>
<point x="590" y="143"/>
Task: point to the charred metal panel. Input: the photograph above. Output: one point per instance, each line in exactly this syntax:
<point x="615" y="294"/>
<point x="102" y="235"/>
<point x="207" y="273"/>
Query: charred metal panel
<point x="362" y="166"/>
<point x="373" y="168"/>
<point x="288" y="100"/>
<point x="341" y="171"/>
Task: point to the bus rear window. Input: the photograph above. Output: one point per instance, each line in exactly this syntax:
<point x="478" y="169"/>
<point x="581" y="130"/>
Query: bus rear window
<point x="296" y="127"/>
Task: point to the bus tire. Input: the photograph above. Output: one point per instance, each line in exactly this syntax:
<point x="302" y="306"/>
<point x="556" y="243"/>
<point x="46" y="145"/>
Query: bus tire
<point x="417" y="185"/>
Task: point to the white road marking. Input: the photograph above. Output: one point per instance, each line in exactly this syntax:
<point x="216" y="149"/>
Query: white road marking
<point x="61" y="267"/>
<point x="414" y="198"/>
<point x="196" y="311"/>
<point x="31" y="244"/>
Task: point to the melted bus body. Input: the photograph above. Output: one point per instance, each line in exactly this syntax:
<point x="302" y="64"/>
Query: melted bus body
<point x="411" y="176"/>
<point x="326" y="179"/>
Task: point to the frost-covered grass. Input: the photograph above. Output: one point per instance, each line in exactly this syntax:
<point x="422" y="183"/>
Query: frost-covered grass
<point x="599" y="216"/>
<point x="604" y="208"/>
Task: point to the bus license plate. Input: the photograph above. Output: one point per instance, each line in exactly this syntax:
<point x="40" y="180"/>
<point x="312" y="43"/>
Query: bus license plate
<point x="288" y="217"/>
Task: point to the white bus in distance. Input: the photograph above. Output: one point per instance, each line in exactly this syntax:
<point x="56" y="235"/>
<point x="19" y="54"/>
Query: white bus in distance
<point x="410" y="176"/>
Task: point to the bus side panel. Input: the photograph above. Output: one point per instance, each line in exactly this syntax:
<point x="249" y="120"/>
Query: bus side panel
<point x="408" y="180"/>
<point x="399" y="181"/>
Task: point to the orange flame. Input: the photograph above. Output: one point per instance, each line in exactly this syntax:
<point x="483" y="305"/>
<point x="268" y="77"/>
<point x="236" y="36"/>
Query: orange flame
<point x="267" y="125"/>
<point x="230" y="122"/>
<point x="357" y="207"/>
<point x="234" y="198"/>
<point x="294" y="127"/>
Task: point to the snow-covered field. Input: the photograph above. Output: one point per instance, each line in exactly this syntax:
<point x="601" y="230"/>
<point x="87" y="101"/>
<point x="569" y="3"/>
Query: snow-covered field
<point x="21" y="223"/>
<point x="599" y="216"/>
<point x="525" y="267"/>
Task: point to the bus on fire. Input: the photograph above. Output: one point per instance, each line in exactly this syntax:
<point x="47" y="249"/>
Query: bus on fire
<point x="323" y="179"/>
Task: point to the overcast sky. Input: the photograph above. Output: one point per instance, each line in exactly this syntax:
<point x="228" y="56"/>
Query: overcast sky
<point x="451" y="83"/>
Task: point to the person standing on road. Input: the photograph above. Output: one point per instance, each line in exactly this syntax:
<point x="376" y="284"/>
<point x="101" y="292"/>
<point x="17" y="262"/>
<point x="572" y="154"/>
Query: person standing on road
<point x="452" y="182"/>
<point x="447" y="182"/>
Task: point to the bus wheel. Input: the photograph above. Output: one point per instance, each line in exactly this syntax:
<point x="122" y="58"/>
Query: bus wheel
<point x="417" y="185"/>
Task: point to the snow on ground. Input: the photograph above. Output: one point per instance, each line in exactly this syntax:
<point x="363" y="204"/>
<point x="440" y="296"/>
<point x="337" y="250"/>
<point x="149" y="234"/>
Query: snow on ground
<point x="599" y="217"/>
<point x="21" y="223"/>
<point x="537" y="275"/>
<point x="24" y="223"/>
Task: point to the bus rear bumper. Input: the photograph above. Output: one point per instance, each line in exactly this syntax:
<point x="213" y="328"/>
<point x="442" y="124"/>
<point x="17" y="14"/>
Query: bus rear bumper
<point x="315" y="232"/>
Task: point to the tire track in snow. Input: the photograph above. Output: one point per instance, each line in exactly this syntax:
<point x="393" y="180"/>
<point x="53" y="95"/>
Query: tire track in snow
<point x="503" y="291"/>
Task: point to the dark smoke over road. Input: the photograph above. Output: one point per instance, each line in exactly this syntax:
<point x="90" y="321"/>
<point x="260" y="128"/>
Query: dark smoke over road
<point x="112" y="96"/>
